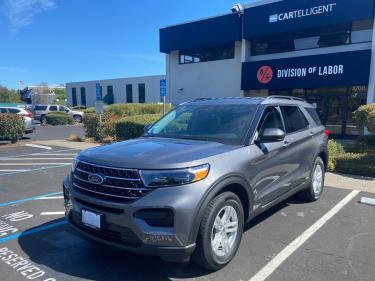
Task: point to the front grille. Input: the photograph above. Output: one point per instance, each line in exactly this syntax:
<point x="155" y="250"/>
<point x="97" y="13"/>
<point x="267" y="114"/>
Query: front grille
<point x="120" y="185"/>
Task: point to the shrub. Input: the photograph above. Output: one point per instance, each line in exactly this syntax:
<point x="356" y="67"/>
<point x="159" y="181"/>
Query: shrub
<point x="91" y="125"/>
<point x="364" y="144"/>
<point x="362" y="164"/>
<point x="365" y="116"/>
<point x="334" y="150"/>
<point x="74" y="137"/>
<point x="133" y="127"/>
<point x="130" y="109"/>
<point x="59" y="118"/>
<point x="11" y="127"/>
<point x="109" y="121"/>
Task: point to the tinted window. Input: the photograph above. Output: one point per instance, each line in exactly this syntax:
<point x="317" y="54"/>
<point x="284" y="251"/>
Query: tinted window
<point x="41" y="107"/>
<point x="141" y="93"/>
<point x="220" y="123"/>
<point x="271" y="119"/>
<point x="13" y="110"/>
<point x="74" y="96"/>
<point x="314" y="115"/>
<point x="294" y="119"/>
<point x="3" y="110"/>
<point x="63" y="109"/>
<point x="53" y="108"/>
<point x="83" y="96"/>
<point x="129" y="93"/>
<point x="220" y="52"/>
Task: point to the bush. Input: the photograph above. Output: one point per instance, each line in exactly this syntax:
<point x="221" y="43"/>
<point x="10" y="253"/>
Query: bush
<point x="334" y="150"/>
<point x="364" y="144"/>
<point x="11" y="127"/>
<point x="91" y="125"/>
<point x="59" y="118"/>
<point x="361" y="164"/>
<point x="109" y="122"/>
<point x="365" y="116"/>
<point x="130" y="109"/>
<point x="133" y="127"/>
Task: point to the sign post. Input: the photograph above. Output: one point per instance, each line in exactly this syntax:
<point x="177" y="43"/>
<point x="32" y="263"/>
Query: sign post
<point x="163" y="92"/>
<point x="99" y="108"/>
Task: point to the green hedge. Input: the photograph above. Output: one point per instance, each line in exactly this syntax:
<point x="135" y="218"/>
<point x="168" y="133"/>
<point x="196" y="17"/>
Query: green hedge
<point x="11" y="127"/>
<point x="91" y="125"/>
<point x="361" y="164"/>
<point x="133" y="126"/>
<point x="59" y="118"/>
<point x="130" y="109"/>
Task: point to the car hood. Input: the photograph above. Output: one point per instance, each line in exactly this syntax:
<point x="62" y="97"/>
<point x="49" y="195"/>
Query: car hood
<point x="154" y="153"/>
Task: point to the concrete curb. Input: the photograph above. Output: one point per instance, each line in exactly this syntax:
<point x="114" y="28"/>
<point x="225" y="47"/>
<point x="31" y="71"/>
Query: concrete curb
<point x="364" y="184"/>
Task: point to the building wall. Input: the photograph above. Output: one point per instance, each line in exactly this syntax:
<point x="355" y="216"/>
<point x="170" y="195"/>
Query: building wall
<point x="220" y="78"/>
<point x="152" y="85"/>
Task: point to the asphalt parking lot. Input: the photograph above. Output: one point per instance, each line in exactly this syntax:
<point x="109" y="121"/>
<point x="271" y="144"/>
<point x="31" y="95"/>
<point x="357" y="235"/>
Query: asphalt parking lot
<point x="332" y="239"/>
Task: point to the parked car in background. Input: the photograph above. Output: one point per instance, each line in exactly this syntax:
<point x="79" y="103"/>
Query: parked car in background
<point x="40" y="112"/>
<point x="28" y="117"/>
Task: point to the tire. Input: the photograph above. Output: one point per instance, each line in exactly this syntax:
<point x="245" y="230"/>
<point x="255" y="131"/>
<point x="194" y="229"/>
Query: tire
<point x="315" y="189"/>
<point x="77" y="118"/>
<point x="208" y="255"/>
<point x="43" y="119"/>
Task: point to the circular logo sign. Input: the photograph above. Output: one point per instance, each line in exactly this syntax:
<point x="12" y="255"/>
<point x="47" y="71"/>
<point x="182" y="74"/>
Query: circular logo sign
<point x="95" y="179"/>
<point x="265" y="74"/>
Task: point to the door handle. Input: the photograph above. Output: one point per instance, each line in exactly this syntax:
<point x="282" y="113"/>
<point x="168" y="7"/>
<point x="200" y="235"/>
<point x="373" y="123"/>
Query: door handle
<point x="286" y="144"/>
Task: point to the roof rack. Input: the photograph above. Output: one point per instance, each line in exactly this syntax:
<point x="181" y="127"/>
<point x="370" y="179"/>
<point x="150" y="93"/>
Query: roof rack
<point x="285" y="98"/>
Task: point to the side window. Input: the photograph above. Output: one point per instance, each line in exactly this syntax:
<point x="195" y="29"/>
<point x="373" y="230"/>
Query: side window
<point x="53" y="108"/>
<point x="3" y="110"/>
<point x="41" y="107"/>
<point x="13" y="110"/>
<point x="294" y="119"/>
<point x="314" y="115"/>
<point x="271" y="119"/>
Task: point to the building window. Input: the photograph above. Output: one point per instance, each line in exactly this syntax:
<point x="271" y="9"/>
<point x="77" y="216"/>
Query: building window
<point x="220" y="52"/>
<point x="141" y="93"/>
<point x="109" y="98"/>
<point x="74" y="96"/>
<point x="129" y="93"/>
<point x="83" y="96"/>
<point x="328" y="36"/>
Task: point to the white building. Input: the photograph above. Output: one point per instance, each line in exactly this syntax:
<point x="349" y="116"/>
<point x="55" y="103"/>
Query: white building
<point x="124" y="90"/>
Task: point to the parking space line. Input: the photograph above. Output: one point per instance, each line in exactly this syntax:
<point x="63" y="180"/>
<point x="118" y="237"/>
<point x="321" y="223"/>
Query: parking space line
<point x="38" y="169"/>
<point x="32" y="164"/>
<point x="53" y="154"/>
<point x="36" y="158"/>
<point x="49" y="198"/>
<point x="38" y="146"/>
<point x="44" y="153"/>
<point x="29" y="199"/>
<point x="271" y="266"/>
<point x="52" y="213"/>
<point x="32" y="231"/>
<point x="14" y="170"/>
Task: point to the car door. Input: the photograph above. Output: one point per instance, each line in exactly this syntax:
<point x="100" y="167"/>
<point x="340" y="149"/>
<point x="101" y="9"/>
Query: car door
<point x="271" y="162"/>
<point x="300" y="144"/>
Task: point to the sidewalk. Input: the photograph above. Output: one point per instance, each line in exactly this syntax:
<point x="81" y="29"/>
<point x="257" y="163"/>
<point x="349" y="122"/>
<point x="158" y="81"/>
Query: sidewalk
<point x="67" y="144"/>
<point x="350" y="182"/>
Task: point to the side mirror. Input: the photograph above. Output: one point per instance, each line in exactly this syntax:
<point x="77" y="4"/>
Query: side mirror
<point x="272" y="135"/>
<point x="146" y="128"/>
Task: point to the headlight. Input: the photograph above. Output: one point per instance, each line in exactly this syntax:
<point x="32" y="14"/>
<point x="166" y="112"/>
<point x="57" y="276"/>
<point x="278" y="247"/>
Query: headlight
<point x="163" y="178"/>
<point x="74" y="164"/>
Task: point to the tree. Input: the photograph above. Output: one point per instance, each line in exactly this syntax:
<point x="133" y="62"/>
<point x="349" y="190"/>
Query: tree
<point x="365" y="116"/>
<point x="9" y="95"/>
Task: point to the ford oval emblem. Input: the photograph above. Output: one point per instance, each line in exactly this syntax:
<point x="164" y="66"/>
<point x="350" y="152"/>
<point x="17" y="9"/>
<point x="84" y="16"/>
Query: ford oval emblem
<point x="95" y="179"/>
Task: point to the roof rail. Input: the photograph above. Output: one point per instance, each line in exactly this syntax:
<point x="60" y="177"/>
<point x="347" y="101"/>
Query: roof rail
<point x="285" y="98"/>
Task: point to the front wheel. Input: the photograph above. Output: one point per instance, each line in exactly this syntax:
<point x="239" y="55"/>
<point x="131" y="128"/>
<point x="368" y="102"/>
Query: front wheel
<point x="315" y="190"/>
<point x="220" y="232"/>
<point x="43" y="119"/>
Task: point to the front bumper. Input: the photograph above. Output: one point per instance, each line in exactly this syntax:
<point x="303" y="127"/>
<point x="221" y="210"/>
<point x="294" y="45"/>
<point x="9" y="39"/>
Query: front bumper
<point x="122" y="229"/>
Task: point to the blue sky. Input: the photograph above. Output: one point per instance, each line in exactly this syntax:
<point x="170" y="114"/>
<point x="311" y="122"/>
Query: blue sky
<point x="58" y="41"/>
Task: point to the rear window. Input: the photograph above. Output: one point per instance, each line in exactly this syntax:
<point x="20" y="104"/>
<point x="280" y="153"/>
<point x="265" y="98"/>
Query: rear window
<point x="294" y="119"/>
<point x="314" y="115"/>
<point x="41" y="107"/>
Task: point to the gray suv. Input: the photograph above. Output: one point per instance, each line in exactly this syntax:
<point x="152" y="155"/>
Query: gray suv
<point x="191" y="182"/>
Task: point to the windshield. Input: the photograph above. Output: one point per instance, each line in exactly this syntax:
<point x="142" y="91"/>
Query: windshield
<point x="220" y="123"/>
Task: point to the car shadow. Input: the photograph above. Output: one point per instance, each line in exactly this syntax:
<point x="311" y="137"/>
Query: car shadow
<point x="64" y="251"/>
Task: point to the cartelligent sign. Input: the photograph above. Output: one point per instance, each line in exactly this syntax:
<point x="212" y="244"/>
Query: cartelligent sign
<point x="317" y="10"/>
